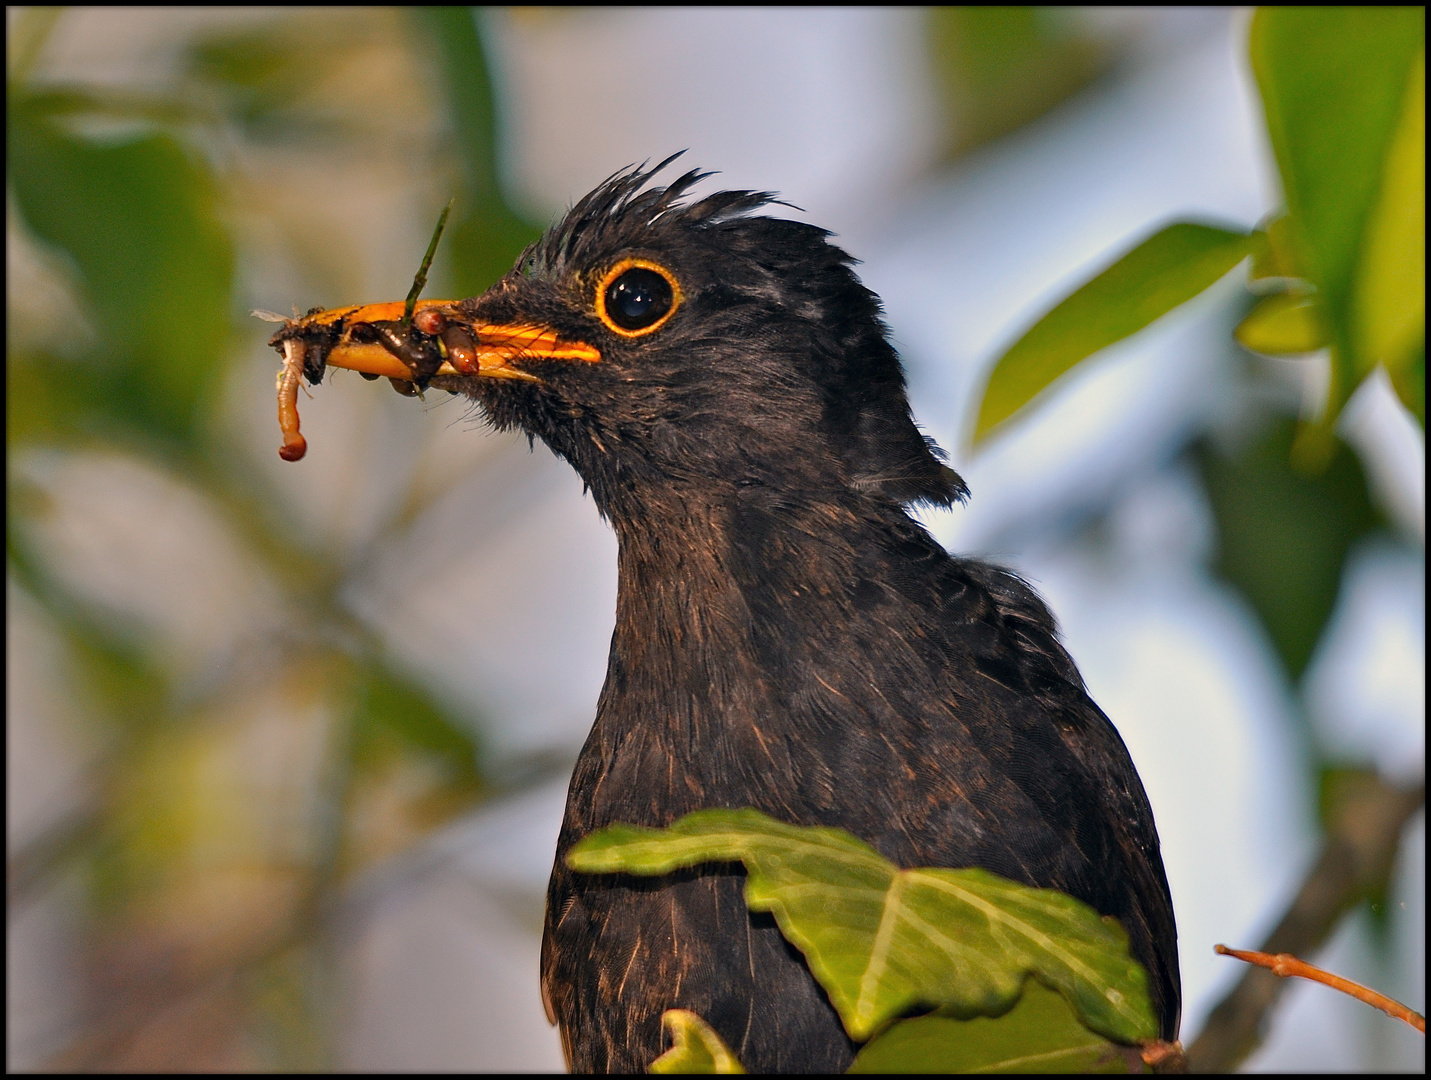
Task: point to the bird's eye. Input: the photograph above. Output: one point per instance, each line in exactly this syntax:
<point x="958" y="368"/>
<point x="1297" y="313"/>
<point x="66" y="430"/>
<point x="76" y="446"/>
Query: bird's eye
<point x="637" y="297"/>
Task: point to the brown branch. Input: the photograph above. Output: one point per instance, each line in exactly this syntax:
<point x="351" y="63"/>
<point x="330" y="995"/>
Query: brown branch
<point x="1165" y="1057"/>
<point x="1356" y="860"/>
<point x="1285" y="965"/>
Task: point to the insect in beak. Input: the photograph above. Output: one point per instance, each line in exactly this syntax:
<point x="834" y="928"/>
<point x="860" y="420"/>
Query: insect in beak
<point x="409" y="342"/>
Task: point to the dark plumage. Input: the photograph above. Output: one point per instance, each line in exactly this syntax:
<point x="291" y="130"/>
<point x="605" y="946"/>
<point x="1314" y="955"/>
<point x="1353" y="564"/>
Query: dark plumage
<point x="787" y="637"/>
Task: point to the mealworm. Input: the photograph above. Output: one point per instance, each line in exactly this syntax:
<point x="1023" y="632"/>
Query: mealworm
<point x="294" y="445"/>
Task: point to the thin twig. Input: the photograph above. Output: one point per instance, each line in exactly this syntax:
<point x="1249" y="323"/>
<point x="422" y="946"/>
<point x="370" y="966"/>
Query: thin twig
<point x="419" y="281"/>
<point x="1356" y="859"/>
<point x="1285" y="965"/>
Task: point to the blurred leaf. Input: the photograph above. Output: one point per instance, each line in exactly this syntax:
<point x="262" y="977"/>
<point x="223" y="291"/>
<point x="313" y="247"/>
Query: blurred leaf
<point x="119" y="678"/>
<point x="291" y="996"/>
<point x="1283" y="536"/>
<point x="1344" y="792"/>
<point x="1040" y="1034"/>
<point x="414" y="769"/>
<point x="1169" y="268"/>
<point x="1410" y="384"/>
<point x="998" y="68"/>
<point x="1287" y="324"/>
<point x="26" y="35"/>
<point x="1338" y="786"/>
<point x="696" y="1048"/>
<point x="116" y="676"/>
<point x="486" y="235"/>
<point x="1274" y="257"/>
<point x="263" y="72"/>
<point x="101" y="107"/>
<point x="33" y="403"/>
<point x="1334" y="83"/>
<point x="139" y="218"/>
<point x="882" y="940"/>
<point x="270" y="80"/>
<point x="204" y="833"/>
<point x="1390" y="301"/>
<point x="394" y="710"/>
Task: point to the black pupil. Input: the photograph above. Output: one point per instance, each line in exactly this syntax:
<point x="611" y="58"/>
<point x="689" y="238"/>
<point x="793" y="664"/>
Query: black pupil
<point x="638" y="298"/>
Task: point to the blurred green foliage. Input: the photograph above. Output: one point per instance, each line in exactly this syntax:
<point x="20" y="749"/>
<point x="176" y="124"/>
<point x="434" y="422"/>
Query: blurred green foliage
<point x="201" y="863"/>
<point x="1336" y="84"/>
<point x="1284" y="535"/>
<point x="998" y="68"/>
<point x="1344" y="93"/>
<point x="139" y="220"/>
<point x="487" y="236"/>
<point x="1343" y="269"/>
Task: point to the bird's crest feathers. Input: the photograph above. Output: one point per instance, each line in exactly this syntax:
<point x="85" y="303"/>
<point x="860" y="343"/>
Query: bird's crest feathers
<point x="869" y="412"/>
<point x="623" y="205"/>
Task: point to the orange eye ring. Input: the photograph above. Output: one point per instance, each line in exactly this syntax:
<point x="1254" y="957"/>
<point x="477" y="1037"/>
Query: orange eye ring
<point x="626" y="266"/>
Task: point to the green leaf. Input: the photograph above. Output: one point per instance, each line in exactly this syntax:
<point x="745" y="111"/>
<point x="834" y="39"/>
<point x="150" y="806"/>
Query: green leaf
<point x="1283" y="536"/>
<point x="1274" y="255"/>
<point x="139" y="220"/>
<point x="486" y="235"/>
<point x="1410" y="384"/>
<point x="696" y="1047"/>
<point x="397" y="718"/>
<point x="998" y="68"/>
<point x="1040" y="1034"/>
<point x="882" y="940"/>
<point x="1165" y="270"/>
<point x="1287" y="324"/>
<point x="1334" y="86"/>
<point x="1390" y="292"/>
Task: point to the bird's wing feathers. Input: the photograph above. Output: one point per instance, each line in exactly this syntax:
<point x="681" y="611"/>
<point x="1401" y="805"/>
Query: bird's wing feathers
<point x="1037" y="665"/>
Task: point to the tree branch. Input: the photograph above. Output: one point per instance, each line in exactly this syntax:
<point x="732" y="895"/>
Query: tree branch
<point x="1286" y="966"/>
<point x="1356" y="858"/>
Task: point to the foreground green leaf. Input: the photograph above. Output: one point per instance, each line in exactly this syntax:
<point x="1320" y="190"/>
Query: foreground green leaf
<point x="696" y="1048"/>
<point x="1040" y="1034"/>
<point x="1166" y="270"/>
<point x="882" y="940"/>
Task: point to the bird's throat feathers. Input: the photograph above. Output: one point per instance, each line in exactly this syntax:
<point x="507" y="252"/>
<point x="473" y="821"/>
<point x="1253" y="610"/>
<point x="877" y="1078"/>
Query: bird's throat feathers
<point x="748" y="634"/>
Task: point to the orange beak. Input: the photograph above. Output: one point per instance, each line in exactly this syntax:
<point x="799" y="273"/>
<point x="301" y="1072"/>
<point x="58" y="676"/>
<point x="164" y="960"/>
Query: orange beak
<point x="467" y="348"/>
<point x="369" y="338"/>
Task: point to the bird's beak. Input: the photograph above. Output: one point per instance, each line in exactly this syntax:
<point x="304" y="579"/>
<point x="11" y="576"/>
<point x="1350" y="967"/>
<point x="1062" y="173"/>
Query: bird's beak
<point x="377" y="340"/>
<point x="466" y="347"/>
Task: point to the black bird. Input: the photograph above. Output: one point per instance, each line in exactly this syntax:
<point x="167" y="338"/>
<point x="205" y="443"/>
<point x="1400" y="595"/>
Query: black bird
<point x="787" y="637"/>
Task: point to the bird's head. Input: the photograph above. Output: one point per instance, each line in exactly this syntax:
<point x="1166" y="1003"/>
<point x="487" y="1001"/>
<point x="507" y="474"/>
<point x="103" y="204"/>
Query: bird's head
<point x="659" y="342"/>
